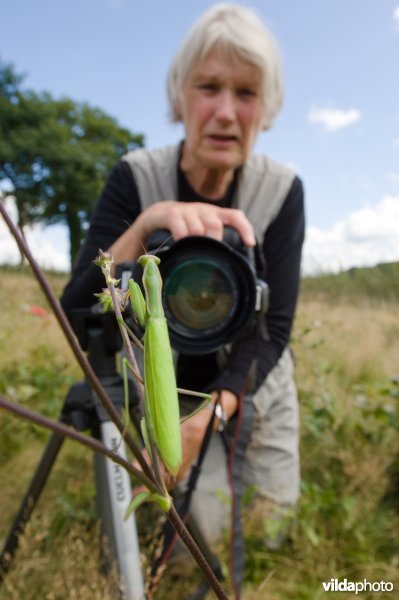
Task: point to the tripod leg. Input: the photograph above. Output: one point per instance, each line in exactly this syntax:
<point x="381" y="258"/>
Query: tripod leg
<point x="113" y="498"/>
<point x="29" y="501"/>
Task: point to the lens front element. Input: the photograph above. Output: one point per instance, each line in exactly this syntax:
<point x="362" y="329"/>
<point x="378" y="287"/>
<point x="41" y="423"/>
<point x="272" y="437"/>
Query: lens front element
<point x="199" y="295"/>
<point x="209" y="293"/>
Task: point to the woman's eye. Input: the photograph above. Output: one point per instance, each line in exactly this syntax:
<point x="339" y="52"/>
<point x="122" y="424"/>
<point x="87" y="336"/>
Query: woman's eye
<point x="247" y="92"/>
<point x="208" y="87"/>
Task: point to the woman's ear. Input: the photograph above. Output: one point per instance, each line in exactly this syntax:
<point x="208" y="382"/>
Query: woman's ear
<point x="177" y="110"/>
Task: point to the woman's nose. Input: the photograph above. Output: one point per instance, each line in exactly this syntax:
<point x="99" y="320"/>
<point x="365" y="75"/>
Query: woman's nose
<point x="225" y="106"/>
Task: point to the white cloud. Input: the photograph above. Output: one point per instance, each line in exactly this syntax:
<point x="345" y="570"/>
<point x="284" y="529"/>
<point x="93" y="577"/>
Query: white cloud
<point x="49" y="246"/>
<point x="365" y="238"/>
<point x="396" y="17"/>
<point x="333" y="118"/>
<point x="392" y="178"/>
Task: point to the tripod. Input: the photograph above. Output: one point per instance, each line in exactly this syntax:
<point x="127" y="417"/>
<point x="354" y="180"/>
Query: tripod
<point x="98" y="336"/>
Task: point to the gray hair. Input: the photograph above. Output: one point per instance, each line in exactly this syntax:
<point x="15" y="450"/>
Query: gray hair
<point x="241" y="35"/>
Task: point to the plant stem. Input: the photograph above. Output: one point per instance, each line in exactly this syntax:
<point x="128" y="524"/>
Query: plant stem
<point x="184" y="534"/>
<point x="79" y="354"/>
<point x="97" y="446"/>
<point x="132" y="360"/>
<point x="90" y="442"/>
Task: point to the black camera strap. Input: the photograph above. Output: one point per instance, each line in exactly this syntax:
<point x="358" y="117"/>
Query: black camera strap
<point x="235" y="440"/>
<point x="238" y="441"/>
<point x="182" y="505"/>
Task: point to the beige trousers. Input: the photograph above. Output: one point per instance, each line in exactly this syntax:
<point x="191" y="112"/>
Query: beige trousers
<point x="272" y="457"/>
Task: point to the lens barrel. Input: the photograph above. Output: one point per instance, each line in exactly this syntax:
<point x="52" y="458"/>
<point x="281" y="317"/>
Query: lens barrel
<point x="209" y="293"/>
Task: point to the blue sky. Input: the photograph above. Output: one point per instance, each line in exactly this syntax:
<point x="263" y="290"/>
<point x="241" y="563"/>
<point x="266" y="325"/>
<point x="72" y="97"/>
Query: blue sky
<point x="339" y="126"/>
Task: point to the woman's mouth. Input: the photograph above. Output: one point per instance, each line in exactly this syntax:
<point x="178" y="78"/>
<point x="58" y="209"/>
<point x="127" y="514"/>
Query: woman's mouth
<point x="223" y="139"/>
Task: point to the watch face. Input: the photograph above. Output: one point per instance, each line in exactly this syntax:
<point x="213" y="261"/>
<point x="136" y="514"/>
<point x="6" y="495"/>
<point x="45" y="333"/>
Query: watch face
<point x="221" y="415"/>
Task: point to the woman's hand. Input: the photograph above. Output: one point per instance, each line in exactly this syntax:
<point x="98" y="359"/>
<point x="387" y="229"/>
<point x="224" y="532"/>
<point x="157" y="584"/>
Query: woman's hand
<point x="181" y="219"/>
<point x="193" y="430"/>
<point x="195" y="218"/>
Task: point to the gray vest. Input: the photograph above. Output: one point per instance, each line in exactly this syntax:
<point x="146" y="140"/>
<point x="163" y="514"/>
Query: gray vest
<point x="261" y="191"/>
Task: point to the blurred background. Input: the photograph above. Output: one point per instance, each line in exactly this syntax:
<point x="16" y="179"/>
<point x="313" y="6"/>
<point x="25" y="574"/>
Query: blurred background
<point x="339" y="127"/>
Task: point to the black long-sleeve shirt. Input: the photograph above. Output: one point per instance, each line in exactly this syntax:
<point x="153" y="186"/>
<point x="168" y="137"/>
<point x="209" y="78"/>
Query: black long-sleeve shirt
<point x="119" y="205"/>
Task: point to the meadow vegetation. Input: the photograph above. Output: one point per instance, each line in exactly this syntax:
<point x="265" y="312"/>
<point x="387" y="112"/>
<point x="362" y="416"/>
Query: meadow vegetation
<point x="346" y="347"/>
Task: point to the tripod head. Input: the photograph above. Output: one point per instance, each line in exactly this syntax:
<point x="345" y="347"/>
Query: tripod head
<point x="99" y="336"/>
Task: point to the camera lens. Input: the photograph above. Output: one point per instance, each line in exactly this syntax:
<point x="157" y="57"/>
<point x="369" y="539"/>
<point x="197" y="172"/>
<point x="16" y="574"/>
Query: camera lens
<point x="199" y="295"/>
<point x="209" y="290"/>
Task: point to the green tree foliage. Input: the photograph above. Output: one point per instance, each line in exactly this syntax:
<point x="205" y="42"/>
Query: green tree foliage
<point x="22" y="118"/>
<point x="55" y="155"/>
<point x="373" y="284"/>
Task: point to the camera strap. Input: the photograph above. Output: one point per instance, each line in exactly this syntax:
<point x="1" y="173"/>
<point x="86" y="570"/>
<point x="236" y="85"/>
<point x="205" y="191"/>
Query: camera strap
<point x="239" y="437"/>
<point x="182" y="506"/>
<point x="235" y="440"/>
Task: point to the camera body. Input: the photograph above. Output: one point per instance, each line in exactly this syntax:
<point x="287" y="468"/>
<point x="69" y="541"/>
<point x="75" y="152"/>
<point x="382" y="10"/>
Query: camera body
<point x="210" y="293"/>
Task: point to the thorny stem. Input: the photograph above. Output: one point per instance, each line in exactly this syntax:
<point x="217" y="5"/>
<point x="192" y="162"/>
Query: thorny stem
<point x="126" y="340"/>
<point x="134" y="338"/>
<point x="185" y="536"/>
<point x="106" y="261"/>
<point x="90" y="442"/>
<point x="79" y="354"/>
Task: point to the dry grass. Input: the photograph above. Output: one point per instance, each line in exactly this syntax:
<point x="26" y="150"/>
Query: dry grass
<point x="357" y="341"/>
<point x="21" y="331"/>
<point x="65" y="570"/>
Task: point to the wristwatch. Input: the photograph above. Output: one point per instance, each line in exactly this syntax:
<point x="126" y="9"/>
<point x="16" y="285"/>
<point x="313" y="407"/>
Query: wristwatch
<point x="220" y="413"/>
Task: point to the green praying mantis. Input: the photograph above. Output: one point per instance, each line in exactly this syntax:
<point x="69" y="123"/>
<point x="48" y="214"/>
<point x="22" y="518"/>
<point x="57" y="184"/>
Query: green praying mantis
<point x="161" y="421"/>
<point x="160" y="424"/>
<point x="162" y="415"/>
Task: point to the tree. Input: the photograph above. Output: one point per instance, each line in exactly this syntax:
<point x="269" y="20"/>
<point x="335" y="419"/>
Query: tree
<point x="88" y="143"/>
<point x="22" y="116"/>
<point x="55" y="155"/>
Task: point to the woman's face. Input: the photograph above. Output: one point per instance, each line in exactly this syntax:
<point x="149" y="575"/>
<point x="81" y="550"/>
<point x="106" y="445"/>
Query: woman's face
<point x="222" y="112"/>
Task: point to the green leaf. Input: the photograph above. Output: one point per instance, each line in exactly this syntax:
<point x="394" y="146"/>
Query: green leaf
<point x="164" y="502"/>
<point x="137" y="501"/>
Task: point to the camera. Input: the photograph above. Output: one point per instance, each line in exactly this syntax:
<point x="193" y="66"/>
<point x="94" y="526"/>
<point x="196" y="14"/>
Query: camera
<point x="211" y="293"/>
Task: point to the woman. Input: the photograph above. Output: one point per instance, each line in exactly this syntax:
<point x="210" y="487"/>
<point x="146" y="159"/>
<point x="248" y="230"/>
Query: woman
<point x="225" y="86"/>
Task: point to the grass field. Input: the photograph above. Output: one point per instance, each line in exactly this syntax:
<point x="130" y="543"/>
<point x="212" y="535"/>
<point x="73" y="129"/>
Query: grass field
<point x="346" y="346"/>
